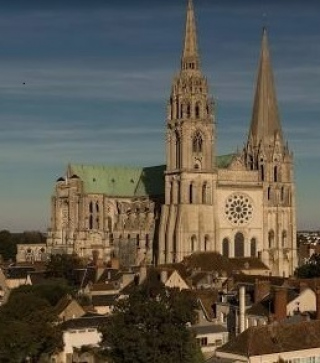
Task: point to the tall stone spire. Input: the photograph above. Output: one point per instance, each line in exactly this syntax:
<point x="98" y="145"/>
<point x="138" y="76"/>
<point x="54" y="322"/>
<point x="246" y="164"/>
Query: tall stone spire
<point x="190" y="55"/>
<point x="265" y="124"/>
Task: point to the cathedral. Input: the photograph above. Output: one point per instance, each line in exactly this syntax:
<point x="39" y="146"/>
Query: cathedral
<point x="239" y="205"/>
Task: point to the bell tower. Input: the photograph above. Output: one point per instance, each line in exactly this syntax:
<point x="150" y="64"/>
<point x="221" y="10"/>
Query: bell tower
<point x="190" y="178"/>
<point x="190" y="120"/>
<point x="268" y="153"/>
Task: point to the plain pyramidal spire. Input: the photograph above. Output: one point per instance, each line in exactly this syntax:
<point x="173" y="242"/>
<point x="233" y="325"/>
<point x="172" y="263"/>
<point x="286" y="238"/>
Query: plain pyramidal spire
<point x="190" y="55"/>
<point x="265" y="123"/>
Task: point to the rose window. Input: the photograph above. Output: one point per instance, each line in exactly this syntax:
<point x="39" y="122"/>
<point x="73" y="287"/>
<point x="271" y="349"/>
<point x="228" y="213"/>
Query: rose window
<point x="238" y="209"/>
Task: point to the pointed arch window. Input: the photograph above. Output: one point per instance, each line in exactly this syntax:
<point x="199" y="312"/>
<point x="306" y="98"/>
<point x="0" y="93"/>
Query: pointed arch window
<point x="271" y="239"/>
<point x="282" y="193"/>
<point x="206" y="242"/>
<point x="97" y="207"/>
<point x="197" y="142"/>
<point x="284" y="239"/>
<point x="197" y="110"/>
<point x="269" y="193"/>
<point x="204" y="193"/>
<point x="275" y="174"/>
<point x="191" y="196"/>
<point x="239" y="245"/>
<point x="188" y="110"/>
<point x="262" y="172"/>
<point x="178" y="151"/>
<point x="193" y="243"/>
<point x="225" y="247"/>
<point x="253" y="247"/>
<point x="91" y="221"/>
<point x="91" y="207"/>
<point x="177" y="110"/>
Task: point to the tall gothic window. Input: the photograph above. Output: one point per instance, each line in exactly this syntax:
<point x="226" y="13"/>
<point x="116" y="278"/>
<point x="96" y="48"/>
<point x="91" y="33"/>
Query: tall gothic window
<point x="275" y="174"/>
<point x="271" y="239"/>
<point x="262" y="172"/>
<point x="188" y="110"/>
<point x="204" y="193"/>
<point x="193" y="243"/>
<point x="197" y="142"/>
<point x="178" y="151"/>
<point x="253" y="247"/>
<point x="239" y="245"/>
<point x="191" y="197"/>
<point x="284" y="239"/>
<point x="197" y="110"/>
<point x="206" y="243"/>
<point x="225" y="247"/>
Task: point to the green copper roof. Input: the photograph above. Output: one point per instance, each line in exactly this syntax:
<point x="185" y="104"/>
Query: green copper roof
<point x="119" y="180"/>
<point x="223" y="161"/>
<point x="127" y="181"/>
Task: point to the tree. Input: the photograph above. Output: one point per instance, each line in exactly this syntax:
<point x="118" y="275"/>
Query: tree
<point x="309" y="270"/>
<point x="63" y="266"/>
<point x="8" y="249"/>
<point x="152" y="327"/>
<point x="52" y="290"/>
<point x="27" y="328"/>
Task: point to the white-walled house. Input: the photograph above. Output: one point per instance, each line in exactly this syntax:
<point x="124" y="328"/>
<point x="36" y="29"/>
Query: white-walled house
<point x="78" y="333"/>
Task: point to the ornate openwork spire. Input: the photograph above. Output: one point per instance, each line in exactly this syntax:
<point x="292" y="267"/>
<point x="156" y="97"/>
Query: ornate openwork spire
<point x="190" y="56"/>
<point x="265" y="124"/>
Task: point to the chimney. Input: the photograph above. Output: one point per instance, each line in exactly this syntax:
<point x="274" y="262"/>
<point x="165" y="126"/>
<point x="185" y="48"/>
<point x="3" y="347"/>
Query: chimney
<point x="318" y="302"/>
<point x="261" y="289"/>
<point x="242" y="308"/>
<point x="280" y="303"/>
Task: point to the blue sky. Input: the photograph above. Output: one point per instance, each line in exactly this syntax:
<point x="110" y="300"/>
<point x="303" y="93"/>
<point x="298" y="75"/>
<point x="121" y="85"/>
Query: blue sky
<point x="97" y="78"/>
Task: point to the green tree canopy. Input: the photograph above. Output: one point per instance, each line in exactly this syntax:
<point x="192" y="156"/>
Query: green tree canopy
<point x="311" y="269"/>
<point x="63" y="266"/>
<point x="151" y="326"/>
<point x="27" y="328"/>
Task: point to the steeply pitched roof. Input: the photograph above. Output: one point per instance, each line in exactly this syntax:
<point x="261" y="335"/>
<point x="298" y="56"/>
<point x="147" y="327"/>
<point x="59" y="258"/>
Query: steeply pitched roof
<point x="120" y="180"/>
<point x="275" y="338"/>
<point x="265" y="123"/>
<point x="223" y="161"/>
<point x="127" y="181"/>
<point x="208" y="261"/>
<point x="190" y="55"/>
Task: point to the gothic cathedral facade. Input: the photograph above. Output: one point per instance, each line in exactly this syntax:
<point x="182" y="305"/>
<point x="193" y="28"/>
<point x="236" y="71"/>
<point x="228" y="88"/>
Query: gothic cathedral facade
<point x="240" y="205"/>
